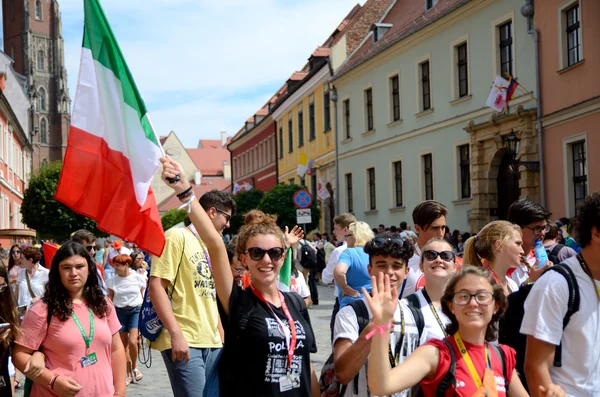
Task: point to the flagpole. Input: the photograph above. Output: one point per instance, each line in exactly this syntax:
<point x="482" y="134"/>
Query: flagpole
<point x="155" y="136"/>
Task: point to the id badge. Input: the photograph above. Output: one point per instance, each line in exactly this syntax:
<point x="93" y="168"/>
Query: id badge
<point x="295" y="379"/>
<point x="89" y="359"/>
<point x="285" y="383"/>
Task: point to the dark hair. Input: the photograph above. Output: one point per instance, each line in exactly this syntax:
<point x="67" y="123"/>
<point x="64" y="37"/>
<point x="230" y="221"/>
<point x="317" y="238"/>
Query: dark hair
<point x="8" y="309"/>
<point x="57" y="296"/>
<point x="382" y="225"/>
<point x="403" y="225"/>
<point x="427" y="212"/>
<point x="588" y="217"/>
<point x="499" y="299"/>
<point x="375" y="231"/>
<point x="32" y="253"/>
<point x="219" y="200"/>
<point x="344" y="220"/>
<point x="393" y="229"/>
<point x="318" y="235"/>
<point x="552" y="232"/>
<point x="11" y="260"/>
<point x="387" y="244"/>
<point x="82" y="235"/>
<point x="523" y="212"/>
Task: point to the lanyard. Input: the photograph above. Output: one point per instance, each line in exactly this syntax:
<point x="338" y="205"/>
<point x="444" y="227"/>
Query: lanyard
<point x="87" y="339"/>
<point x="465" y="355"/>
<point x="195" y="233"/>
<point x="434" y="311"/>
<point x="396" y="356"/>
<point x="587" y="271"/>
<point x="291" y="345"/>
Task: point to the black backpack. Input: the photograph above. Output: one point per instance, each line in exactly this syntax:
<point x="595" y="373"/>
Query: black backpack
<point x="321" y="259"/>
<point x="308" y="256"/>
<point x="510" y="323"/>
<point x="553" y="254"/>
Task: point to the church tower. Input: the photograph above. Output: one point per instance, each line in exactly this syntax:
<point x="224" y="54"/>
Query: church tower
<point x="33" y="38"/>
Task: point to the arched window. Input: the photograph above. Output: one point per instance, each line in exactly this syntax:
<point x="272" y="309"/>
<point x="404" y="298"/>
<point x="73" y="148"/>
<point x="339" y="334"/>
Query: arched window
<point x="43" y="130"/>
<point x="38" y="9"/>
<point x="40" y="60"/>
<point x="41" y="99"/>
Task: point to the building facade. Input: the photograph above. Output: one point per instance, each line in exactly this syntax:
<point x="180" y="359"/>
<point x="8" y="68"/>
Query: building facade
<point x="411" y="115"/>
<point x="33" y="39"/>
<point x="570" y="90"/>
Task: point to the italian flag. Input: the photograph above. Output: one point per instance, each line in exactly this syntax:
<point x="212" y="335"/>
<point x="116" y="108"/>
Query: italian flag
<point x="113" y="152"/>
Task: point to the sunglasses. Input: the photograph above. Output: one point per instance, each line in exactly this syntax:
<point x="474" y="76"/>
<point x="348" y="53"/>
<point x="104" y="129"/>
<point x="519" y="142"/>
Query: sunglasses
<point x="225" y="214"/>
<point x="15" y="252"/>
<point x="256" y="254"/>
<point x="348" y="235"/>
<point x="431" y="255"/>
<point x="89" y="248"/>
<point x="383" y="240"/>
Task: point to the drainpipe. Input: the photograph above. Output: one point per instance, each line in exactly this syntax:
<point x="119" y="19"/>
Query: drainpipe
<point x="333" y="96"/>
<point x="528" y="11"/>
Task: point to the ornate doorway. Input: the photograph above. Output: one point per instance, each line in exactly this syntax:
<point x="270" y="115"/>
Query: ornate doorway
<point x="508" y="186"/>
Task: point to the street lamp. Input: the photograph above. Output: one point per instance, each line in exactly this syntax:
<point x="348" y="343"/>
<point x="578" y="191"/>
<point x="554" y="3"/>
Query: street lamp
<point x="512" y="146"/>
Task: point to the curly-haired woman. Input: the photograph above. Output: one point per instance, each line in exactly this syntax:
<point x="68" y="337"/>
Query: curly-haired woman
<point x="83" y="352"/>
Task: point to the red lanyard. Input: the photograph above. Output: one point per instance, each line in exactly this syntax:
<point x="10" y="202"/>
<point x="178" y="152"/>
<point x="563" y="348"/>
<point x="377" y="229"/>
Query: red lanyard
<point x="485" y="264"/>
<point x="291" y="345"/>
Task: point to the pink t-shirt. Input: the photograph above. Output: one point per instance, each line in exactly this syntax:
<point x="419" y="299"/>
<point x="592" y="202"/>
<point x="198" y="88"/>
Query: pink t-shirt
<point x="64" y="346"/>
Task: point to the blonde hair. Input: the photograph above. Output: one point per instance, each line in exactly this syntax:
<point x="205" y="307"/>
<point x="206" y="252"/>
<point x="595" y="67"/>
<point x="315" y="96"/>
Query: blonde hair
<point x="481" y="245"/>
<point x="362" y="233"/>
<point x="258" y="223"/>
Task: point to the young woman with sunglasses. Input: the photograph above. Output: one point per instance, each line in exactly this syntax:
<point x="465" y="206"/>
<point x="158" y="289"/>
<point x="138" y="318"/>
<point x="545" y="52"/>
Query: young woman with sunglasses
<point x="473" y="301"/>
<point x="267" y="330"/>
<point x="32" y="278"/>
<point x="497" y="247"/>
<point x="438" y="266"/>
<point x="14" y="266"/>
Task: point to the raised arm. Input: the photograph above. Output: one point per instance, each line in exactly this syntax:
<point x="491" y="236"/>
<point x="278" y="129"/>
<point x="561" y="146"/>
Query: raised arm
<point x="206" y="230"/>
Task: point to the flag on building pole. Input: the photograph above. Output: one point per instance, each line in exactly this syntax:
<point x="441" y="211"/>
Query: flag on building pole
<point x="113" y="151"/>
<point x="512" y="87"/>
<point x="302" y="165"/>
<point x="497" y="98"/>
<point x="247" y="186"/>
<point x="236" y="188"/>
<point x="309" y="166"/>
<point x="322" y="191"/>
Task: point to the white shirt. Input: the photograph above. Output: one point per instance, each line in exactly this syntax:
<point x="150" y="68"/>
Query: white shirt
<point x="521" y="272"/>
<point x="298" y="285"/>
<point x="327" y="274"/>
<point x="415" y="276"/>
<point x="127" y="289"/>
<point x="545" y="308"/>
<point x="432" y="328"/>
<point x="38" y="285"/>
<point x="346" y="327"/>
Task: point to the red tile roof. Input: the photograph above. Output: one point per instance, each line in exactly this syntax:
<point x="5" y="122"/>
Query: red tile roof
<point x="263" y="111"/>
<point x="206" y="185"/>
<point x="210" y="161"/>
<point x="406" y="20"/>
<point x="298" y="76"/>
<point x="321" y="52"/>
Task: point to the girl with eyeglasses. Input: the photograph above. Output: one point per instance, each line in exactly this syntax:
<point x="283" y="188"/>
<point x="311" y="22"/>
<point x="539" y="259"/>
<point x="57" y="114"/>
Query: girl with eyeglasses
<point x="438" y="266"/>
<point x="498" y="247"/>
<point x="269" y="331"/>
<point x="32" y="278"/>
<point x="462" y="364"/>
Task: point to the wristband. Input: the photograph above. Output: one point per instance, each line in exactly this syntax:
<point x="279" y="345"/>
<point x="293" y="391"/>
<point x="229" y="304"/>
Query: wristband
<point x="378" y="328"/>
<point x="187" y="203"/>
<point x="118" y="393"/>
<point x="184" y="193"/>
<point x="52" y="381"/>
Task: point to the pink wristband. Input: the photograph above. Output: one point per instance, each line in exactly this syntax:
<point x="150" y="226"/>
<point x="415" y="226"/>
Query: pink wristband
<point x="380" y="329"/>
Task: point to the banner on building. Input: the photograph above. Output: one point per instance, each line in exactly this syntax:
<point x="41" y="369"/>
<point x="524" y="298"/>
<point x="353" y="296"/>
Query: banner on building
<point x="322" y="191"/>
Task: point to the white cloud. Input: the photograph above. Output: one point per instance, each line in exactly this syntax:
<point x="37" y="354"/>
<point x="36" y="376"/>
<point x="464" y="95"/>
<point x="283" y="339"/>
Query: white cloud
<point x="206" y="66"/>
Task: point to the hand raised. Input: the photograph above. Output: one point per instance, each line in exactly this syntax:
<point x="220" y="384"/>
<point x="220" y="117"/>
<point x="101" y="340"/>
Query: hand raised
<point x="171" y="169"/>
<point x="294" y="236"/>
<point x="383" y="300"/>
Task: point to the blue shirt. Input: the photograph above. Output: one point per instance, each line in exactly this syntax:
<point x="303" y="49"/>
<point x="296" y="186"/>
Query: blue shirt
<point x="357" y="275"/>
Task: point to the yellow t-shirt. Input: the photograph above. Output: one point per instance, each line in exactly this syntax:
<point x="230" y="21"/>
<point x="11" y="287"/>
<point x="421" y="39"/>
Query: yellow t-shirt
<point x="194" y="300"/>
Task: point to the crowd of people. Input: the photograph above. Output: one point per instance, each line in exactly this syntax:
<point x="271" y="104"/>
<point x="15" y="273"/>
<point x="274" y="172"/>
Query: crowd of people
<point x="417" y="313"/>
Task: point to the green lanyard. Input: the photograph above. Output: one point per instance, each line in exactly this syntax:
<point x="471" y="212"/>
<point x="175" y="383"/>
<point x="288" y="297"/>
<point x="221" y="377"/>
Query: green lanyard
<point x="87" y="339"/>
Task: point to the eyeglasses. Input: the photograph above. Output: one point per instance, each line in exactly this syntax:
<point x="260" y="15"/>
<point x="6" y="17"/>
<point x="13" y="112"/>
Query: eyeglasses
<point x="538" y="229"/>
<point x="225" y="214"/>
<point x="89" y="248"/>
<point x="239" y="271"/>
<point x="383" y="240"/>
<point x="348" y="235"/>
<point x="431" y="255"/>
<point x="483" y="298"/>
<point x="257" y="254"/>
<point x="15" y="252"/>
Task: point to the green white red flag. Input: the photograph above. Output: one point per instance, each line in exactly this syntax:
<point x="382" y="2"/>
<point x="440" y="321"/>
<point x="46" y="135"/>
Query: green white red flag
<point x="113" y="152"/>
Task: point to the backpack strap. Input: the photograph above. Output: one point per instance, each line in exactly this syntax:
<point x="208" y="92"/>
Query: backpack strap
<point x="557" y="248"/>
<point x="362" y="315"/>
<point x="500" y="354"/>
<point x="573" y="304"/>
<point x="414" y="305"/>
<point x="448" y="379"/>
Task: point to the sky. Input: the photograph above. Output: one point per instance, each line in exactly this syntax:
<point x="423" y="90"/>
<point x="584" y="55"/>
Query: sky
<point x="207" y="66"/>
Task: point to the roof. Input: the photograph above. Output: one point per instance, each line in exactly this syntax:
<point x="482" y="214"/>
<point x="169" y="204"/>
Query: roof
<point x="321" y="52"/>
<point x="210" y="161"/>
<point x="298" y="76"/>
<point x="403" y="25"/>
<point x="348" y="21"/>
<point x="209" y="144"/>
<point x="206" y="185"/>
<point x="163" y="139"/>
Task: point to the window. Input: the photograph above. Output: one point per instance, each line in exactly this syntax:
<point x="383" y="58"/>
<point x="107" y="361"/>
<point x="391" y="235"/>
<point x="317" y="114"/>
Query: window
<point x="369" y="109"/>
<point x="326" y="111"/>
<point x="349" y="199"/>
<point x="280" y="142"/>
<point x="428" y="175"/>
<point x="506" y="42"/>
<point x="465" y="171"/>
<point x="372" y="194"/>
<point x="347" y="119"/>
<point x="579" y="172"/>
<point x="40" y="60"/>
<point x="397" y="166"/>
<point x="425" y="86"/>
<point x="300" y="128"/>
<point x="292" y="181"/>
<point x="430" y="3"/>
<point x="395" y="92"/>
<point x="461" y="64"/>
<point x="38" y="9"/>
<point x="43" y="131"/>
<point x="311" y="122"/>
<point x="313" y="184"/>
<point x="41" y="99"/>
<point x="290" y="135"/>
<point x="573" y="35"/>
